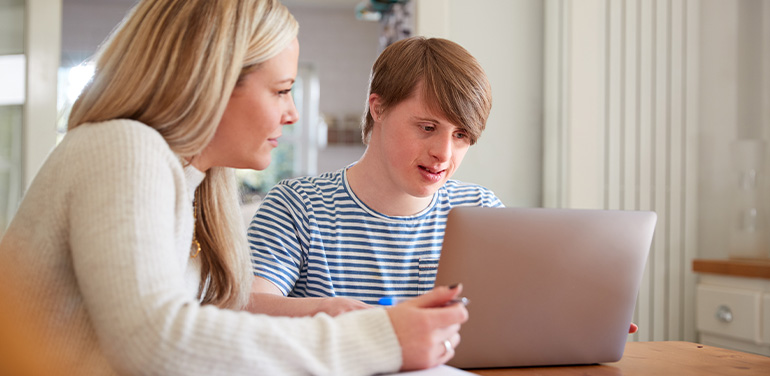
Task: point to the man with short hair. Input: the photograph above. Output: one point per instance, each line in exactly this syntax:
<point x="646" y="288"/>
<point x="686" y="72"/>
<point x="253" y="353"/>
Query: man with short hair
<point x="342" y="240"/>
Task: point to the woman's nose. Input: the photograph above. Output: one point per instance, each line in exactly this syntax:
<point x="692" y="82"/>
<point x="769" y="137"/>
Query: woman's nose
<point x="291" y="116"/>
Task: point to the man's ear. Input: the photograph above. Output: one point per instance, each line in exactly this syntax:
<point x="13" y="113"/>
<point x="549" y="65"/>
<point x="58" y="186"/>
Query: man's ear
<point x="375" y="107"/>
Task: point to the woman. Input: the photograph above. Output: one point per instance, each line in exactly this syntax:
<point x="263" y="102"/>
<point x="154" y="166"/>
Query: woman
<point x="127" y="255"/>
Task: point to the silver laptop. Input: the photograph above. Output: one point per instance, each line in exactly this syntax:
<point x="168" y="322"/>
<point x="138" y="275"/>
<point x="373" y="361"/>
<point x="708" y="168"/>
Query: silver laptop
<point x="546" y="286"/>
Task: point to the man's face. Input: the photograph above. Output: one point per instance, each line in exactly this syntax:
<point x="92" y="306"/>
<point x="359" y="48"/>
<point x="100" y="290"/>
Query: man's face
<point x="420" y="150"/>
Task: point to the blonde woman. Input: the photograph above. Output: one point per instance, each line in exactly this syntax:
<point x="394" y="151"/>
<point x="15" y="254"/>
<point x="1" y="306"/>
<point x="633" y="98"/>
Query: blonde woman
<point x="126" y="255"/>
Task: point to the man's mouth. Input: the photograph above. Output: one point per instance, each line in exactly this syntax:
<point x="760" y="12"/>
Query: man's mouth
<point x="431" y="170"/>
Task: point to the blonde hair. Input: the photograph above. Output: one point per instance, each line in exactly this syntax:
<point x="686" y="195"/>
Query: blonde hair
<point x="172" y="65"/>
<point x="454" y="84"/>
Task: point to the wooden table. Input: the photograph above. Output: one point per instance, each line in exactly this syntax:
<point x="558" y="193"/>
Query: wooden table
<point x="658" y="358"/>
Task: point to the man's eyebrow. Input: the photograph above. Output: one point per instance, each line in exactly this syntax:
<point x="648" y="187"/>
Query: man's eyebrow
<point x="428" y="119"/>
<point x="436" y="121"/>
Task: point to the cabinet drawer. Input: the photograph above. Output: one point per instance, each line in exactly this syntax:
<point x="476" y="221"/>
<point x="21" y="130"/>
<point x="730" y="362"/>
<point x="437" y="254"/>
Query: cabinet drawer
<point x="729" y="312"/>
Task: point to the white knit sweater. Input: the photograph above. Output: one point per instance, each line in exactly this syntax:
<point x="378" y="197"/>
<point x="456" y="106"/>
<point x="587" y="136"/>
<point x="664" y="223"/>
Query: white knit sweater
<point x="99" y="252"/>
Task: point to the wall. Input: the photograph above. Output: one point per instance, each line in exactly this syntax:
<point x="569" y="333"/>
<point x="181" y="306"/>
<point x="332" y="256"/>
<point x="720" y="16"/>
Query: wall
<point x="343" y="50"/>
<point x="507" y="39"/>
<point x="735" y="97"/>
<point x="85" y="25"/>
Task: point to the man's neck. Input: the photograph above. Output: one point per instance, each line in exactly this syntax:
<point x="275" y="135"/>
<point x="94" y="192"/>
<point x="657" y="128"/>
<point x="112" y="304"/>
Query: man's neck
<point x="375" y="190"/>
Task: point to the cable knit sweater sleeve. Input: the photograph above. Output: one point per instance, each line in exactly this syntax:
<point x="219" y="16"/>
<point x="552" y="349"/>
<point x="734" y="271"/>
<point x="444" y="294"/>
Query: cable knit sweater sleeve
<point x="127" y="214"/>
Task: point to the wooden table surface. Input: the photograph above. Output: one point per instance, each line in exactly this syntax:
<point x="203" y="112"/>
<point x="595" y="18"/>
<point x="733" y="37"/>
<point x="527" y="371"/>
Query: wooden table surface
<point x="658" y="358"/>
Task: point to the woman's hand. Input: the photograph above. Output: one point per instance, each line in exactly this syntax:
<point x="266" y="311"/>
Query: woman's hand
<point x="427" y="328"/>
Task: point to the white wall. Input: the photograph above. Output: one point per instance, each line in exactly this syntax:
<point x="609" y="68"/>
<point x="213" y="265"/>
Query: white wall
<point x="343" y="50"/>
<point x="85" y="25"/>
<point x="735" y="103"/>
<point x="507" y="39"/>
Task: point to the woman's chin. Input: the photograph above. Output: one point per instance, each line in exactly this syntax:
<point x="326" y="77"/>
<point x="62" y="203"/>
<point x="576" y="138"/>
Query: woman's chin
<point x="260" y="165"/>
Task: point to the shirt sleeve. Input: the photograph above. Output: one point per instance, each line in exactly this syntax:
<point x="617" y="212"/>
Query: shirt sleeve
<point x="492" y="200"/>
<point x="278" y="238"/>
<point x="465" y="194"/>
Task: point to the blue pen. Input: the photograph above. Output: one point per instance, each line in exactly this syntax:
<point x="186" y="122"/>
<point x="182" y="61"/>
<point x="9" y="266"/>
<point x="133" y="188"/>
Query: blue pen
<point x="390" y="301"/>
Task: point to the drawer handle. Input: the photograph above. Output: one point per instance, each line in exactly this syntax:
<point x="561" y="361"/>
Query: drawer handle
<point x="724" y="314"/>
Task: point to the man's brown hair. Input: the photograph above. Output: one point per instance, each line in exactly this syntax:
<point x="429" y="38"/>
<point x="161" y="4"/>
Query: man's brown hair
<point x="453" y="82"/>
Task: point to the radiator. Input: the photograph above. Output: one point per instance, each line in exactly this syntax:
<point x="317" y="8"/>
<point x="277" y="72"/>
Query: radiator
<point x="621" y="133"/>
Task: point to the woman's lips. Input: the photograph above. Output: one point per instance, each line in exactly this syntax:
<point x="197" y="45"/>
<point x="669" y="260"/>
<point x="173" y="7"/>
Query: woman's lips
<point x="273" y="141"/>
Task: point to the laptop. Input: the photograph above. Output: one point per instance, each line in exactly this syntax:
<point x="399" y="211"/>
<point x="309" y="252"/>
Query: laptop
<point x="546" y="286"/>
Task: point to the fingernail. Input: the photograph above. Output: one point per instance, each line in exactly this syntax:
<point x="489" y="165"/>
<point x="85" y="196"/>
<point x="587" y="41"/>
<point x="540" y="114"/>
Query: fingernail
<point x="454" y="286"/>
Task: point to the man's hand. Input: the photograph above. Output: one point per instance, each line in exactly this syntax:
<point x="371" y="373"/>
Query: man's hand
<point x="338" y="305"/>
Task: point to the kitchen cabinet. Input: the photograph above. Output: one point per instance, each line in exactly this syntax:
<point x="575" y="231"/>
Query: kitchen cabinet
<point x="733" y="304"/>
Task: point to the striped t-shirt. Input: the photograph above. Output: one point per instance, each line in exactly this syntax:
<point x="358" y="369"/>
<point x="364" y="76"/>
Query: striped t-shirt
<point x="312" y="237"/>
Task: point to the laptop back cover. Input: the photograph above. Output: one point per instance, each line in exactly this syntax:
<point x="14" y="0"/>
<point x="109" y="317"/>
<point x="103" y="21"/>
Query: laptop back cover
<point x="547" y="286"/>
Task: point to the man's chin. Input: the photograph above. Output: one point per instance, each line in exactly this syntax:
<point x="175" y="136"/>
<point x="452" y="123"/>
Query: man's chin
<point x="427" y="192"/>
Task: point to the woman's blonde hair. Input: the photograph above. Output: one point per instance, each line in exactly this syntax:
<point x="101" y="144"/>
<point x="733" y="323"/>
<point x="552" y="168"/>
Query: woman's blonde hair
<point x="172" y="64"/>
<point x="453" y="82"/>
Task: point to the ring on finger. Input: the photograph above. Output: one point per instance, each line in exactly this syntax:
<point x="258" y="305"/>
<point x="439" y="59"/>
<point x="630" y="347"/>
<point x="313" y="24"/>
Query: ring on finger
<point x="447" y="346"/>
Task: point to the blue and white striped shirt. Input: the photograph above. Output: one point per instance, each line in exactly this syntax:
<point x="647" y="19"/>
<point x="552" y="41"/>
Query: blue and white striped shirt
<point x="312" y="237"/>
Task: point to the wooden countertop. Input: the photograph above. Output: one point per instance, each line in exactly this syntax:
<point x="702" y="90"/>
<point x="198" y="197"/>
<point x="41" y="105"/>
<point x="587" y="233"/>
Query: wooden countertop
<point x="658" y="358"/>
<point x="759" y="268"/>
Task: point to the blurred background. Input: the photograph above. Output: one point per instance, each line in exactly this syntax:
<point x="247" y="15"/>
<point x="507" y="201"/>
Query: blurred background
<point x="659" y="105"/>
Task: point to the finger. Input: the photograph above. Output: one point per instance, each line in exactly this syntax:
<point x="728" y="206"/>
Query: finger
<point x="441" y="334"/>
<point x="449" y="317"/>
<point x="437" y="297"/>
<point x="448" y="348"/>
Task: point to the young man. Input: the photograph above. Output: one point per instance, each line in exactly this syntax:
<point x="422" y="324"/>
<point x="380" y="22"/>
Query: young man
<point x="342" y="240"/>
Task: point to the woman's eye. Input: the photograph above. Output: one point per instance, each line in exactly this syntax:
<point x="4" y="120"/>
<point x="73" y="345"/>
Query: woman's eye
<point x="461" y="135"/>
<point x="428" y="128"/>
<point x="284" y="92"/>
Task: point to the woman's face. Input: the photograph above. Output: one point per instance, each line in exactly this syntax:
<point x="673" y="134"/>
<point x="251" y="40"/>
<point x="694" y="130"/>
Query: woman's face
<point x="259" y="106"/>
